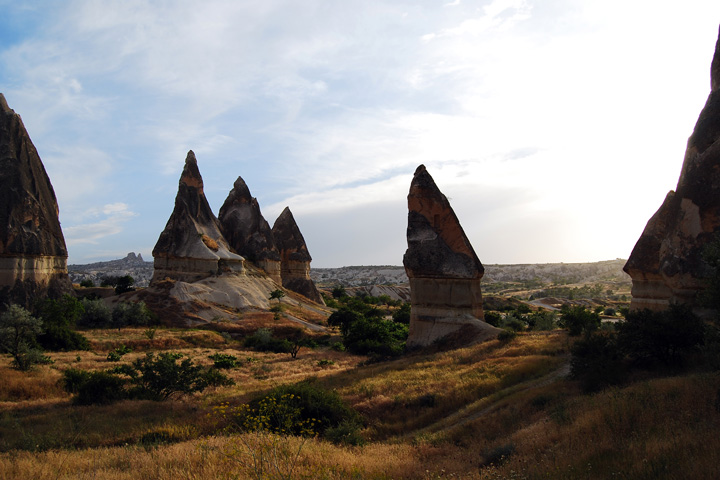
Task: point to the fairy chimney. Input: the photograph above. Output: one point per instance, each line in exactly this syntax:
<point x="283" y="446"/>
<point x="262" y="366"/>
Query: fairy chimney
<point x="192" y="246"/>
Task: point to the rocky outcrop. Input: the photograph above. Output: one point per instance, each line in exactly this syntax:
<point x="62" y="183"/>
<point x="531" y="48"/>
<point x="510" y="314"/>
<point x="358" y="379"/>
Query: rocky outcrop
<point x="33" y="256"/>
<point x="666" y="264"/>
<point x="442" y="267"/>
<point x="294" y="256"/>
<point x="192" y="246"/>
<point x="247" y="232"/>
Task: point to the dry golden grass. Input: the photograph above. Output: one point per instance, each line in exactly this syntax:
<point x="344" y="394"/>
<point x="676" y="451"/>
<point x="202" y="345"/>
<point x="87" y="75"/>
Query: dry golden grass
<point x="429" y="416"/>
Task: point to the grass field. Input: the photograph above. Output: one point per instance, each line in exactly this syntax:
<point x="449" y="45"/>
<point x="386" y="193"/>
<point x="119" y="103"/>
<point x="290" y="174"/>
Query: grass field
<point x="494" y="410"/>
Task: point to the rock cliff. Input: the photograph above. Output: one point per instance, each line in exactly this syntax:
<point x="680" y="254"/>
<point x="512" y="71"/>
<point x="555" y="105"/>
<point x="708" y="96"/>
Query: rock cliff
<point x="192" y="246"/>
<point x="442" y="267"/>
<point x="666" y="263"/>
<point x="33" y="256"/>
<point x="247" y="232"/>
<point x="295" y="258"/>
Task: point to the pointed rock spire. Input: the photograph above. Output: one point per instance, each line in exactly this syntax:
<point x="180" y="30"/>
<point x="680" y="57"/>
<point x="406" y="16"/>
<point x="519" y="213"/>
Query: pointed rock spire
<point x="247" y="232"/>
<point x="666" y="264"/>
<point x="442" y="267"/>
<point x="295" y="258"/>
<point x="33" y="256"/>
<point x="192" y="246"/>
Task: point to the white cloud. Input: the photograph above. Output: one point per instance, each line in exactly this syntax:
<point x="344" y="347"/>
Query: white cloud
<point x="109" y="221"/>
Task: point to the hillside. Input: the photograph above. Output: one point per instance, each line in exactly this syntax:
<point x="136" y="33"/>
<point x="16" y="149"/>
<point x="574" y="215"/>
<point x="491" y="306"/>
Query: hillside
<point x="558" y="273"/>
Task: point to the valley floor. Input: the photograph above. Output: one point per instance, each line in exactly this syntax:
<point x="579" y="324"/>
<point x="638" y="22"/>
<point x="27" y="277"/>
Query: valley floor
<point x="488" y="411"/>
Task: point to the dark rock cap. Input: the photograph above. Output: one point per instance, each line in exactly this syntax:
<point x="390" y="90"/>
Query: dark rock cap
<point x="289" y="239"/>
<point x="29" y="223"/>
<point x="244" y="227"/>
<point x="437" y="244"/>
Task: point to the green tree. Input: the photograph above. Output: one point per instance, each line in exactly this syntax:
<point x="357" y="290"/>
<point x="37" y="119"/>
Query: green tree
<point x="59" y="319"/>
<point x="339" y="292"/>
<point x="578" y="319"/>
<point x="18" y="331"/>
<point x="668" y="336"/>
<point x="402" y="314"/>
<point x="277" y="295"/>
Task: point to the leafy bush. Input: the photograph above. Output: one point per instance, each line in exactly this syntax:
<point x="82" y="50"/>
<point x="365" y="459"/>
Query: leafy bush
<point x="159" y="378"/>
<point x="87" y="283"/>
<point x="402" y="314"/>
<point x="126" y="314"/>
<point x="96" y="314"/>
<point x="542" y="321"/>
<point x="667" y="336"/>
<point x="324" y="408"/>
<point x="62" y="339"/>
<point x="343" y="318"/>
<point x="493" y="318"/>
<point x="118" y="353"/>
<point x="59" y="318"/>
<point x="98" y="387"/>
<point x="346" y="433"/>
<point x="507" y="335"/>
<point x="121" y="284"/>
<point x="224" y="361"/>
<point x="264" y="341"/>
<point x="376" y="337"/>
<point x="18" y="332"/>
<point x="578" y="319"/>
<point x="597" y="361"/>
<point x="512" y="322"/>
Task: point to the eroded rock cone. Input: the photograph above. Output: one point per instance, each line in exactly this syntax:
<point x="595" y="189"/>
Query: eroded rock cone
<point x="442" y="267"/>
<point x="33" y="256"/>
<point x="295" y="258"/>
<point x="247" y="232"/>
<point x="192" y="246"/>
<point x="666" y="263"/>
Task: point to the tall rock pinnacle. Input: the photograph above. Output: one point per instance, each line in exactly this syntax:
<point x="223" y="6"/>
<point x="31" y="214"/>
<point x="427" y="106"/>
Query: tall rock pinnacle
<point x="247" y="232"/>
<point x="192" y="246"/>
<point x="666" y="263"/>
<point x="295" y="258"/>
<point x="33" y="256"/>
<point x="442" y="266"/>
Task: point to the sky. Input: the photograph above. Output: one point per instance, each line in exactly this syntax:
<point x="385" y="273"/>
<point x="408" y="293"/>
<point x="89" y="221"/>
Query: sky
<point x="554" y="127"/>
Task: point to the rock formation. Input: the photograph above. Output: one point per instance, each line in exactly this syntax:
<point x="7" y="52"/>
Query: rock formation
<point x="33" y="256"/>
<point x="442" y="267"/>
<point x="192" y="246"/>
<point x="666" y="264"/>
<point x="247" y="232"/>
<point x="294" y="256"/>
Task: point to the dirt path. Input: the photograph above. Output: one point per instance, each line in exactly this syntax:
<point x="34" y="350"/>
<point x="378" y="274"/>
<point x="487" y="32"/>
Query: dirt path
<point x="489" y="404"/>
<point x="311" y="326"/>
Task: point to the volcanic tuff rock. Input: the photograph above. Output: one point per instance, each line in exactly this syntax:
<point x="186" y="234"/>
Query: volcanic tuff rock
<point x="442" y="267"/>
<point x="192" y="247"/>
<point x="295" y="258"/>
<point x="666" y="264"/>
<point x="33" y="256"/>
<point x="247" y="232"/>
